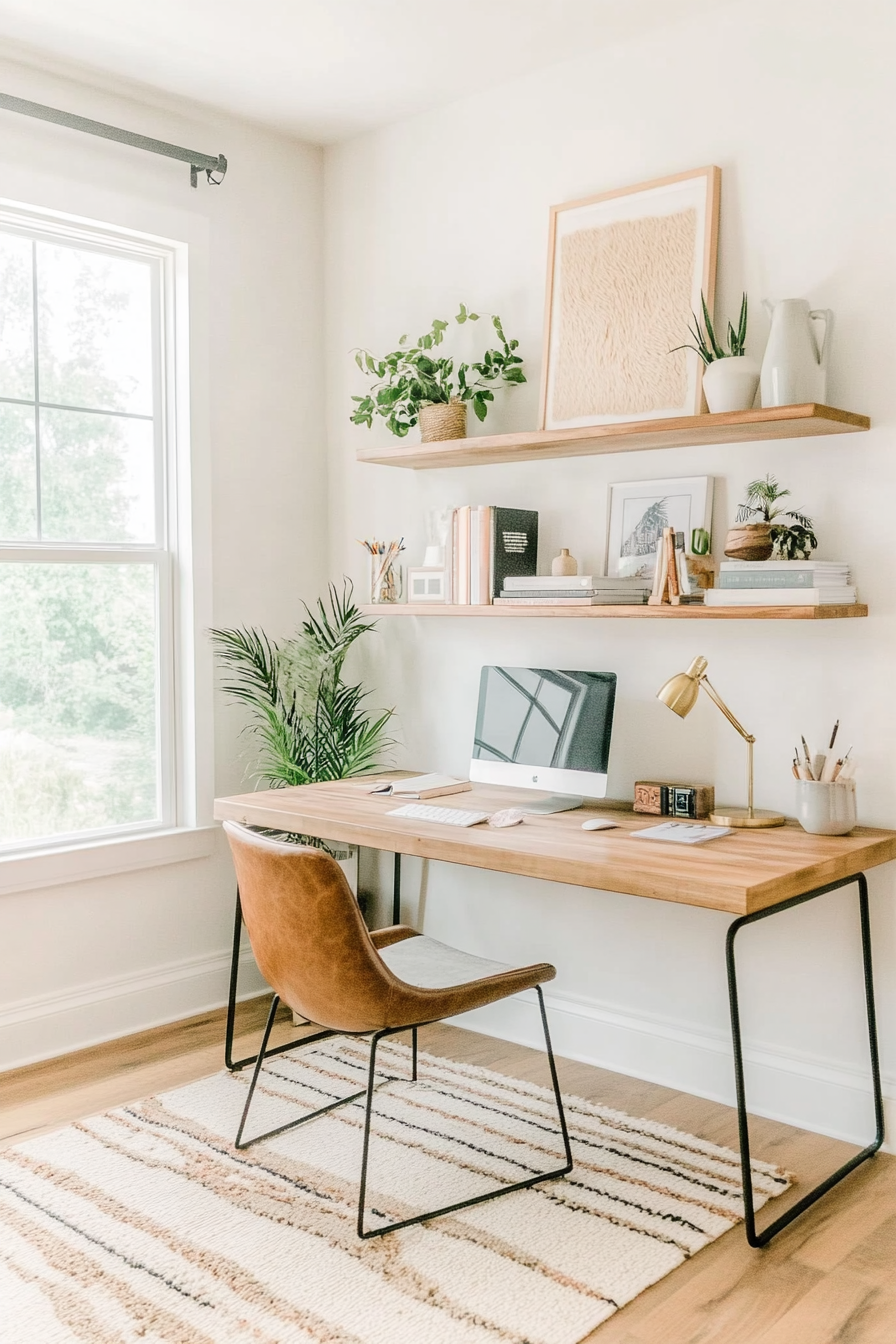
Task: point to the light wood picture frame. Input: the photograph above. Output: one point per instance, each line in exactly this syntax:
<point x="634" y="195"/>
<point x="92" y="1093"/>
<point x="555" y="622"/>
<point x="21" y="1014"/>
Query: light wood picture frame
<point x="639" y="510"/>
<point x="625" y="272"/>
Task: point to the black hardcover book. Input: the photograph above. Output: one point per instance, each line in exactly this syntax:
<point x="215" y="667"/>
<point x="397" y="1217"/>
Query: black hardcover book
<point x="514" y="548"/>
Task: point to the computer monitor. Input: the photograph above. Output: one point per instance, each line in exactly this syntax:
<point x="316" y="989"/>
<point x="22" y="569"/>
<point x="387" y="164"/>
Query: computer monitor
<point x="538" y="728"/>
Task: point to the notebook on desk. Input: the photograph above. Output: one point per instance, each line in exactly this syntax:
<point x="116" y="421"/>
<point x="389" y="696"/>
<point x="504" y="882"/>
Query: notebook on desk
<point x="421" y="786"/>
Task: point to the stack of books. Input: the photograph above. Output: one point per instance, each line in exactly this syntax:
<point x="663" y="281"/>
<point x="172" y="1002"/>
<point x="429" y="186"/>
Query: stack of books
<point x="782" y="583"/>
<point x="489" y="545"/>
<point x="577" y="590"/>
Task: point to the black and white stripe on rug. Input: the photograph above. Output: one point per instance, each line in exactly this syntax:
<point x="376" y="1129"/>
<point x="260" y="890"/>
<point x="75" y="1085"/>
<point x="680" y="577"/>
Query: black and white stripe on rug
<point x="145" y="1224"/>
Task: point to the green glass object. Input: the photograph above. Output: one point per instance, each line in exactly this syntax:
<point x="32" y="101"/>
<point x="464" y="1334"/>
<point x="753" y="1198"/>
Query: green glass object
<point x="700" y="541"/>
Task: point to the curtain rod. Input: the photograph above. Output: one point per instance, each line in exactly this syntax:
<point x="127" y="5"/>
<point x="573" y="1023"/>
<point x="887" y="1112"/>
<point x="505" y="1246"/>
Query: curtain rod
<point x="210" y="163"/>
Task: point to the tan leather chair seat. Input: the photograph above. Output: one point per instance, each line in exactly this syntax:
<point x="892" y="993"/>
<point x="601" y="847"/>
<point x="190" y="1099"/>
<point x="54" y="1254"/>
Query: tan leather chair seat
<point x="425" y="963"/>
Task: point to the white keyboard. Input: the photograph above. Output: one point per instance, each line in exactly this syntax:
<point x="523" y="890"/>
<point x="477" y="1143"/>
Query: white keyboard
<point x="447" y="816"/>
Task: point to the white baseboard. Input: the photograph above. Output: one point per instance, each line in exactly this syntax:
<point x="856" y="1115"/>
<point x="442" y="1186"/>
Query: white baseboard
<point x="788" y="1086"/>
<point x="53" y="1024"/>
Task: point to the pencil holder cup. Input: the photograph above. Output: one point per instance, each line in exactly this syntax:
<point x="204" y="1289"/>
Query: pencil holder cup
<point x="826" y="809"/>
<point x="385" y="578"/>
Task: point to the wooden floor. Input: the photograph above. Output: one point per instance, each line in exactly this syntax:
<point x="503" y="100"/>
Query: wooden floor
<point x="829" y="1279"/>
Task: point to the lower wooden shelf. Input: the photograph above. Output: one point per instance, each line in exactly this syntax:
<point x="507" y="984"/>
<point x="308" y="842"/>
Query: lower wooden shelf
<point x="665" y="613"/>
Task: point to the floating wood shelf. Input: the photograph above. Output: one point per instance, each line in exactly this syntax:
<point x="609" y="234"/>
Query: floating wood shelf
<point x="664" y="613"/>
<point x="778" y="422"/>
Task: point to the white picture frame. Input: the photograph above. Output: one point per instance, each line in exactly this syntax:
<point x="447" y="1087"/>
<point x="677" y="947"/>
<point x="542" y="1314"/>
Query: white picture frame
<point x="638" y="512"/>
<point x="625" y="273"/>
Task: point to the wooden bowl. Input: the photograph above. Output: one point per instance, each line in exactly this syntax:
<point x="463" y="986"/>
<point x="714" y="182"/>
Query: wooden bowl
<point x="749" y="541"/>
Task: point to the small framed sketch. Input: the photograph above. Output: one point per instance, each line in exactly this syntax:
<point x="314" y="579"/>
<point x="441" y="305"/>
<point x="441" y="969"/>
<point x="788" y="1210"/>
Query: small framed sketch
<point x="625" y="271"/>
<point x="639" y="510"/>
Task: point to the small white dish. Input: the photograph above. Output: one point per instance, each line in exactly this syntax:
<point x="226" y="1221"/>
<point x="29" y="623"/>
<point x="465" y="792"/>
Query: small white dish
<point x="599" y="824"/>
<point x="509" y="816"/>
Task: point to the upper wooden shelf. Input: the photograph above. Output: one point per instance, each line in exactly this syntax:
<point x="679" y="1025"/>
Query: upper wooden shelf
<point x="777" y="422"/>
<point x="620" y="612"/>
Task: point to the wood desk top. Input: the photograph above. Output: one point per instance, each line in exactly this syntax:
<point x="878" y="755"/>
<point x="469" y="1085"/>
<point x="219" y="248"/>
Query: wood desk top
<point x="742" y="872"/>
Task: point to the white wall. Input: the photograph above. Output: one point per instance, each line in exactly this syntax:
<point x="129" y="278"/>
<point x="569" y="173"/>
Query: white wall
<point x="93" y="960"/>
<point x="794" y="102"/>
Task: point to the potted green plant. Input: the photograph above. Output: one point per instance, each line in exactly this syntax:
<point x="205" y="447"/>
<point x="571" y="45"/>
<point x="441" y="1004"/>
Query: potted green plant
<point x="413" y="384"/>
<point x="308" y="721"/>
<point x="730" y="376"/>
<point x="765" y="537"/>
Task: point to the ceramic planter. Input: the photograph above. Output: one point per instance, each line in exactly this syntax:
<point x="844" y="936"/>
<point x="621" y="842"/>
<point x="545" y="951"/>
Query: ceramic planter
<point x="730" y="384"/>
<point x="749" y="541"/>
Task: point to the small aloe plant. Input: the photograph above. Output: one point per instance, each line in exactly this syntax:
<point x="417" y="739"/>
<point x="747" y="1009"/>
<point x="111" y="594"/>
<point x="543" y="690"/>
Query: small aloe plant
<point x="705" y="341"/>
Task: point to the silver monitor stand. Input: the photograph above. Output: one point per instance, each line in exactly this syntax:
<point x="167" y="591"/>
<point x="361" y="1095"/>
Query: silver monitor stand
<point x="555" y="802"/>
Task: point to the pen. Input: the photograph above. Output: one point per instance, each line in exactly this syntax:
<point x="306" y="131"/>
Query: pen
<point x="833" y="735"/>
<point x="808" y="757"/>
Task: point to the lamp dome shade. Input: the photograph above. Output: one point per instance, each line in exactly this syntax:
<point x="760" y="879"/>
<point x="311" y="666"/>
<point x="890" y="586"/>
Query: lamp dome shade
<point x="681" y="691"/>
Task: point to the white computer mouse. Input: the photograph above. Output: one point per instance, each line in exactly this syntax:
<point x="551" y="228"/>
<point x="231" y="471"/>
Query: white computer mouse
<point x="599" y="824"/>
<point x="509" y="816"/>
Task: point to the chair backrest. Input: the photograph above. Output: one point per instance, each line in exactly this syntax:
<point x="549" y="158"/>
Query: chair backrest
<point x="307" y="934"/>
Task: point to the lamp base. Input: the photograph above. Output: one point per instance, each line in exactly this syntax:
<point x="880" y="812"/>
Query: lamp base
<point x="742" y="818"/>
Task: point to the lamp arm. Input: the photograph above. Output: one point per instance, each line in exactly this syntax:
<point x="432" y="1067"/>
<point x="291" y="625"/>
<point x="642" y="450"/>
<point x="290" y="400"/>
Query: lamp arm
<point x="720" y="703"/>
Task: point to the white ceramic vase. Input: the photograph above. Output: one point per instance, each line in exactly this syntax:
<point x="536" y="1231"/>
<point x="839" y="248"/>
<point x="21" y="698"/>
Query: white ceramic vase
<point x="730" y="384"/>
<point x="795" y="365"/>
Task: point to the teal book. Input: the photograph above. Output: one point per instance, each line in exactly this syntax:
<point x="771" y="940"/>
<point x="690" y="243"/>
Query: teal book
<point x="773" y="578"/>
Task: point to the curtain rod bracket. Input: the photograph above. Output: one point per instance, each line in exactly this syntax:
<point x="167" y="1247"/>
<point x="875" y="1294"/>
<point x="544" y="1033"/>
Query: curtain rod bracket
<point x="220" y="167"/>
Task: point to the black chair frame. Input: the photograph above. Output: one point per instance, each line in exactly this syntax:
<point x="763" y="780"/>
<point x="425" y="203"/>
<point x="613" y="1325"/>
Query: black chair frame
<point x="368" y="1091"/>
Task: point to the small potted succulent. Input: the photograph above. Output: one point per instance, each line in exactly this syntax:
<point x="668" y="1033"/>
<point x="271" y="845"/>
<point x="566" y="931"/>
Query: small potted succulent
<point x="764" y="537"/>
<point x="730" y="377"/>
<point x="412" y="384"/>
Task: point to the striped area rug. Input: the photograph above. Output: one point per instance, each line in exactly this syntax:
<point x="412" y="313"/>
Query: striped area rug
<point x="146" y="1225"/>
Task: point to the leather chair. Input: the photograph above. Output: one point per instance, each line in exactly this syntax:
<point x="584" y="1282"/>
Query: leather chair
<point x="314" y="949"/>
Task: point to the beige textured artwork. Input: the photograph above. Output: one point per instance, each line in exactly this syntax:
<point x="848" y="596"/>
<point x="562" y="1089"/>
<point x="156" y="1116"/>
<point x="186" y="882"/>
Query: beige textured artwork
<point x="624" y="302"/>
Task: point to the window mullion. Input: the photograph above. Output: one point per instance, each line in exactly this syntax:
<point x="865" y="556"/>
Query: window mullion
<point x="35" y="307"/>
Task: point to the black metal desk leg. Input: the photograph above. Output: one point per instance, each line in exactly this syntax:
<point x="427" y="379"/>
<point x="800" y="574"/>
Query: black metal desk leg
<point x="234" y="1065"/>
<point x="396" y="890"/>
<point x="743" y="1121"/>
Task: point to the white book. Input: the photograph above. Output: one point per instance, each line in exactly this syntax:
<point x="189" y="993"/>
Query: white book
<point x="833" y="595"/>
<point x="784" y="564"/>
<point x="546" y="582"/>
<point x="682" y="833"/>
<point x="421" y="786"/>
<point x="474" y="557"/>
<point x="613" y="599"/>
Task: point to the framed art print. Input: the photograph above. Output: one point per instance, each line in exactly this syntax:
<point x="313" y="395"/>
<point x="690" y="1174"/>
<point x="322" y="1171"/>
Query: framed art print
<point x="625" y="272"/>
<point x="639" y="510"/>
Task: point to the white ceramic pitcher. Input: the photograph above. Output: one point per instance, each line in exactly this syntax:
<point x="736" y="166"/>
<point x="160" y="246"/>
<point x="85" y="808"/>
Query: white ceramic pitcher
<point x="795" y="365"/>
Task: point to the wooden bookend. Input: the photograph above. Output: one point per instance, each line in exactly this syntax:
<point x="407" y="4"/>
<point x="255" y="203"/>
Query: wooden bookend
<point x="672" y="562"/>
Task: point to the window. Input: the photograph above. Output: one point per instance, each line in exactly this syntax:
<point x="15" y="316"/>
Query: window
<point x="87" y="647"/>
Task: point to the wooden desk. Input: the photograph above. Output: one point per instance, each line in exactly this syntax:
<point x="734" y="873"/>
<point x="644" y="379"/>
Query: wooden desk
<point x="740" y="874"/>
<point x="749" y="874"/>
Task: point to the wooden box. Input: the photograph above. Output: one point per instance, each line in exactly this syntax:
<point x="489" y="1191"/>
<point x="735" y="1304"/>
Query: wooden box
<point x="663" y="798"/>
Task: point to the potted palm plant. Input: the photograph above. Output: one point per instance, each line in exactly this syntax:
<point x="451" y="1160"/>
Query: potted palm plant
<point x="730" y="376"/>
<point x="764" y="537"/>
<point x="412" y="384"/>
<point x="309" y="723"/>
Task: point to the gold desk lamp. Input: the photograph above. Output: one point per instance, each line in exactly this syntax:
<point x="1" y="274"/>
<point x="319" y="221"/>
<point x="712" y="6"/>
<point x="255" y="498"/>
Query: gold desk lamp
<point x="680" y="694"/>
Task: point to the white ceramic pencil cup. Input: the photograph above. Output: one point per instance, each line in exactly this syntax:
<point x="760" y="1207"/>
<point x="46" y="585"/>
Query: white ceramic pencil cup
<point x="826" y="809"/>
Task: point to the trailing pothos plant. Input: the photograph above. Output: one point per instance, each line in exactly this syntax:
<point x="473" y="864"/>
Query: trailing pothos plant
<point x="414" y="376"/>
<point x="309" y="723"/>
<point x="795" y="540"/>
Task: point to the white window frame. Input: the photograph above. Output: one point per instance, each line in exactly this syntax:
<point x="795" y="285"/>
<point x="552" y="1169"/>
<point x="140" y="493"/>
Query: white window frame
<point x="183" y="829"/>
